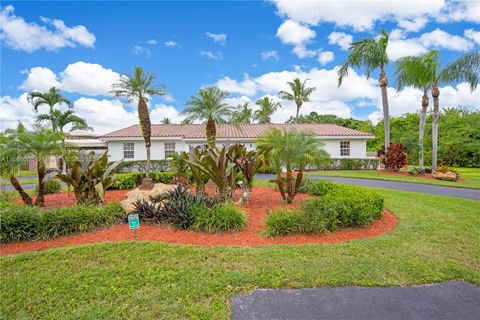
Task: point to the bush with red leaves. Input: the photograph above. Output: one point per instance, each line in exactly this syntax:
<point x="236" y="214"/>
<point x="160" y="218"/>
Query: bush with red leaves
<point x="394" y="158"/>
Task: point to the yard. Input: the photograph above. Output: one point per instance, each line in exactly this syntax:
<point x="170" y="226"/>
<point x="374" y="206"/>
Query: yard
<point x="435" y="240"/>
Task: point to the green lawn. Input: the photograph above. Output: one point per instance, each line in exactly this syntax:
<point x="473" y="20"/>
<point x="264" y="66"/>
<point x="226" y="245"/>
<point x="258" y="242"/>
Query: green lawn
<point x="470" y="175"/>
<point x="436" y="240"/>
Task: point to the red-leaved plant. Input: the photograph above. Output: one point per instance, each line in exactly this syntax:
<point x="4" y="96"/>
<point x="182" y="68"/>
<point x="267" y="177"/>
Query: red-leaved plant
<point x="394" y="158"/>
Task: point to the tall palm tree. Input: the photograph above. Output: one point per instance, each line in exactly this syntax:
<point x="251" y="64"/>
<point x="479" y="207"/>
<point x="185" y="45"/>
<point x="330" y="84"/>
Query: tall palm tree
<point x="60" y="120"/>
<point x="411" y="72"/>
<point x="140" y="86"/>
<point x="267" y="108"/>
<point x="372" y="55"/>
<point x="464" y="69"/>
<point x="299" y="93"/>
<point x="50" y="98"/>
<point x="166" y="121"/>
<point x="242" y="114"/>
<point x="209" y="105"/>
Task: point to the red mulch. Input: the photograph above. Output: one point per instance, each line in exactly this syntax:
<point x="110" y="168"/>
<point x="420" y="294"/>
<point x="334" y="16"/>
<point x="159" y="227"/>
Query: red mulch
<point x="405" y="174"/>
<point x="261" y="199"/>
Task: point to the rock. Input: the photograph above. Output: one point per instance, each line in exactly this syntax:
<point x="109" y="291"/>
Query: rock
<point x="133" y="196"/>
<point x="446" y="176"/>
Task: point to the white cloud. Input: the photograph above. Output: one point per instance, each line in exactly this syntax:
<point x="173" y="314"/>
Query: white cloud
<point x="171" y="44"/>
<point x="375" y="117"/>
<point x="325" y="57"/>
<point x="247" y="86"/>
<point x="303" y="52"/>
<point x="341" y="38"/>
<point x="220" y="38"/>
<point x="160" y="111"/>
<point x="401" y="48"/>
<point x="79" y="77"/>
<point x="217" y="55"/>
<point x="413" y="25"/>
<point x="152" y="41"/>
<point x="460" y="11"/>
<point x="291" y="32"/>
<point x="29" y="36"/>
<point x="473" y="35"/>
<point x="139" y="50"/>
<point x="270" y="55"/>
<point x="14" y="110"/>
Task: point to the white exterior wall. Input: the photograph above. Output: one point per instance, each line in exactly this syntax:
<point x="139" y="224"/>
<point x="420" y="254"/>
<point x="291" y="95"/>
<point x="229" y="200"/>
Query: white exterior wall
<point x="358" y="147"/>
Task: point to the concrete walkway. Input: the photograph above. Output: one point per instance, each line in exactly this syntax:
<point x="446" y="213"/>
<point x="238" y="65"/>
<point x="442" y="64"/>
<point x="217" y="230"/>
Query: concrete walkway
<point x="447" y="300"/>
<point x="465" y="193"/>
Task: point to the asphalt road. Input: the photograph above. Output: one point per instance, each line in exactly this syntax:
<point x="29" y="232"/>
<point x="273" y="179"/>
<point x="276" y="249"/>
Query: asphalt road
<point x="404" y="186"/>
<point x="441" y="301"/>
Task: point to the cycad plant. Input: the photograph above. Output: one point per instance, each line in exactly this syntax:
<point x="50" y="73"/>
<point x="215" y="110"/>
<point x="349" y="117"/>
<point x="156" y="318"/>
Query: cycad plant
<point x="291" y="151"/>
<point x="140" y="86"/>
<point x="267" y="108"/>
<point x="299" y="93"/>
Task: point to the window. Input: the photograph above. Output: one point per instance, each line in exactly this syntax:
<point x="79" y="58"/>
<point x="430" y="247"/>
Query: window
<point x="169" y="148"/>
<point x="344" y="148"/>
<point x="128" y="150"/>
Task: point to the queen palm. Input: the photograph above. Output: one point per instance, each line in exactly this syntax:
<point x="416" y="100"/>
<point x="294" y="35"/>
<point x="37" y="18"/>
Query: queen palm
<point x="51" y="98"/>
<point x="299" y="93"/>
<point x="140" y="86"/>
<point x="371" y="54"/>
<point x="242" y="114"/>
<point x="267" y="108"/>
<point x="209" y="106"/>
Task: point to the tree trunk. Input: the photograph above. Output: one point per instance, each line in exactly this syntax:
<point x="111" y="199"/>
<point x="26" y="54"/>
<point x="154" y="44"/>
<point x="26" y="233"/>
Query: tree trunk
<point x="25" y="197"/>
<point x="211" y="132"/>
<point x="298" y="109"/>
<point x="386" y="117"/>
<point x="40" y="200"/>
<point x="146" y="127"/>
<point x="64" y="164"/>
<point x="421" y="129"/>
<point x="435" y="95"/>
<point x="298" y="181"/>
<point x="288" y="181"/>
<point x="280" y="186"/>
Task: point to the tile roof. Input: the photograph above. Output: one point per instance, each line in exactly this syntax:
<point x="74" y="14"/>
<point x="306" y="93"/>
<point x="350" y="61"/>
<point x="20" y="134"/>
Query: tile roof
<point x="197" y="131"/>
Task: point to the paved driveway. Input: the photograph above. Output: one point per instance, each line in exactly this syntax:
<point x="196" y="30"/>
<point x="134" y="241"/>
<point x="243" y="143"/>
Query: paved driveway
<point x="404" y="186"/>
<point x="447" y="300"/>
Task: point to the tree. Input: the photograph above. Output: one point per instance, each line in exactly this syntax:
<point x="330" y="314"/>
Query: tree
<point x="51" y="98"/>
<point x="166" y="121"/>
<point x="411" y="72"/>
<point x="242" y="114"/>
<point x="371" y="54"/>
<point x="59" y="120"/>
<point x="291" y="150"/>
<point x="209" y="105"/>
<point x="140" y="86"/>
<point x="267" y="108"/>
<point x="299" y="93"/>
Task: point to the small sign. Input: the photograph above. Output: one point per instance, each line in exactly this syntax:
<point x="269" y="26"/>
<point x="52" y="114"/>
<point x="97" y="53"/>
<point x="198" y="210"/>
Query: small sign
<point x="133" y="221"/>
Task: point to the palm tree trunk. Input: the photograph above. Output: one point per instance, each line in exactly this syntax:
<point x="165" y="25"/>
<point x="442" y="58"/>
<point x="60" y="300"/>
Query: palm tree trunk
<point x="211" y="132"/>
<point x="40" y="200"/>
<point x="421" y="130"/>
<point x="435" y="95"/>
<point x="298" y="109"/>
<point x="289" y="179"/>
<point x="280" y="186"/>
<point x="25" y="197"/>
<point x="386" y="117"/>
<point x="298" y="181"/>
<point x="146" y="127"/>
<point x="64" y="164"/>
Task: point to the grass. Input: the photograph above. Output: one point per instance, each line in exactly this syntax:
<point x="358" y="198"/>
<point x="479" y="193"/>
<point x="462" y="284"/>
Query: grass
<point x="470" y="175"/>
<point x="436" y="240"/>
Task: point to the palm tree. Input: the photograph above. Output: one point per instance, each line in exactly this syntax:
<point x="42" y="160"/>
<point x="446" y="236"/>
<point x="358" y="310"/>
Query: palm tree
<point x="50" y="98"/>
<point x="299" y="93"/>
<point x="60" y="120"/>
<point x="243" y="114"/>
<point x="140" y="86"/>
<point x="166" y="121"/>
<point x="371" y="54"/>
<point x="411" y="72"/>
<point x="267" y="108"/>
<point x="209" y="106"/>
<point x="464" y="69"/>
<point x="291" y="150"/>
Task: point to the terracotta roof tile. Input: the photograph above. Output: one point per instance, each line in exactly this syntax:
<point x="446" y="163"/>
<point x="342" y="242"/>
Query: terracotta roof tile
<point x="197" y="131"/>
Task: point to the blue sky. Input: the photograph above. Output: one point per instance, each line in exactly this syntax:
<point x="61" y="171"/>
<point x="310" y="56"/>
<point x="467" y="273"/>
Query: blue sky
<point x="248" y="48"/>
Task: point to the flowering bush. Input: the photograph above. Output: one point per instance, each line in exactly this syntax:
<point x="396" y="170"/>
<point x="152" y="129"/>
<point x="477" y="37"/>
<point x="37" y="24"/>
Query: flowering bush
<point x="394" y="158"/>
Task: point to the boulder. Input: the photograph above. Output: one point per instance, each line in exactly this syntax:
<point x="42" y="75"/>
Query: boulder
<point x="446" y="176"/>
<point x="137" y="194"/>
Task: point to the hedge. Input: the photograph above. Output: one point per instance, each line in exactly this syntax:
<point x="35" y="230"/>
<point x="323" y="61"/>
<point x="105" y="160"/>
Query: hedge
<point x="338" y="206"/>
<point x="349" y="164"/>
<point x="132" y="180"/>
<point x="140" y="166"/>
<point x="30" y="223"/>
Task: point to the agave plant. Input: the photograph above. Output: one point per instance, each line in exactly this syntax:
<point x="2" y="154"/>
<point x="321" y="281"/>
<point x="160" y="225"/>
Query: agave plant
<point x="89" y="177"/>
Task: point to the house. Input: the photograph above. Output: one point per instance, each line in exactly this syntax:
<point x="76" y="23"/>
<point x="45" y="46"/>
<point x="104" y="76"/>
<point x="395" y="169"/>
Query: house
<point x="128" y="143"/>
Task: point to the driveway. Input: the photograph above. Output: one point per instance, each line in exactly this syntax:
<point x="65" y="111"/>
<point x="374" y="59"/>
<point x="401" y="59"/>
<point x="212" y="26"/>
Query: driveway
<point x="404" y="186"/>
<point x="447" y="300"/>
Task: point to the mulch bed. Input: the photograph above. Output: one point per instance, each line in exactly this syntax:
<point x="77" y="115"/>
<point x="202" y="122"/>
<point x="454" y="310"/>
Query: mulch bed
<point x="405" y="174"/>
<point x="261" y="199"/>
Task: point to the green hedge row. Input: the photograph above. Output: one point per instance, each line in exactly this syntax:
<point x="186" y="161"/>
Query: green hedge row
<point x="338" y="206"/>
<point x="141" y="165"/>
<point x="349" y="164"/>
<point x="132" y="180"/>
<point x="21" y="223"/>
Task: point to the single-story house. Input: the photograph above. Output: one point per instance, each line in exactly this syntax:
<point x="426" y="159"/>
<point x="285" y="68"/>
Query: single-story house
<point x="128" y="143"/>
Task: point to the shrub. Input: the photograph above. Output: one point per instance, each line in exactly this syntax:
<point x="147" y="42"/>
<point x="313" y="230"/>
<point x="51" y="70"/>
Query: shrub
<point x="147" y="211"/>
<point x="139" y="166"/>
<point x="223" y="217"/>
<point x="8" y="195"/>
<point x="283" y="222"/>
<point x="7" y="204"/>
<point x="349" y="164"/>
<point x="132" y="180"/>
<point x="318" y="187"/>
<point x="51" y="187"/>
<point x="27" y="223"/>
<point x="394" y="158"/>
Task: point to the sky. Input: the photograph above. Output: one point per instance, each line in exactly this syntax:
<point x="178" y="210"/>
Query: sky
<point x="249" y="48"/>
